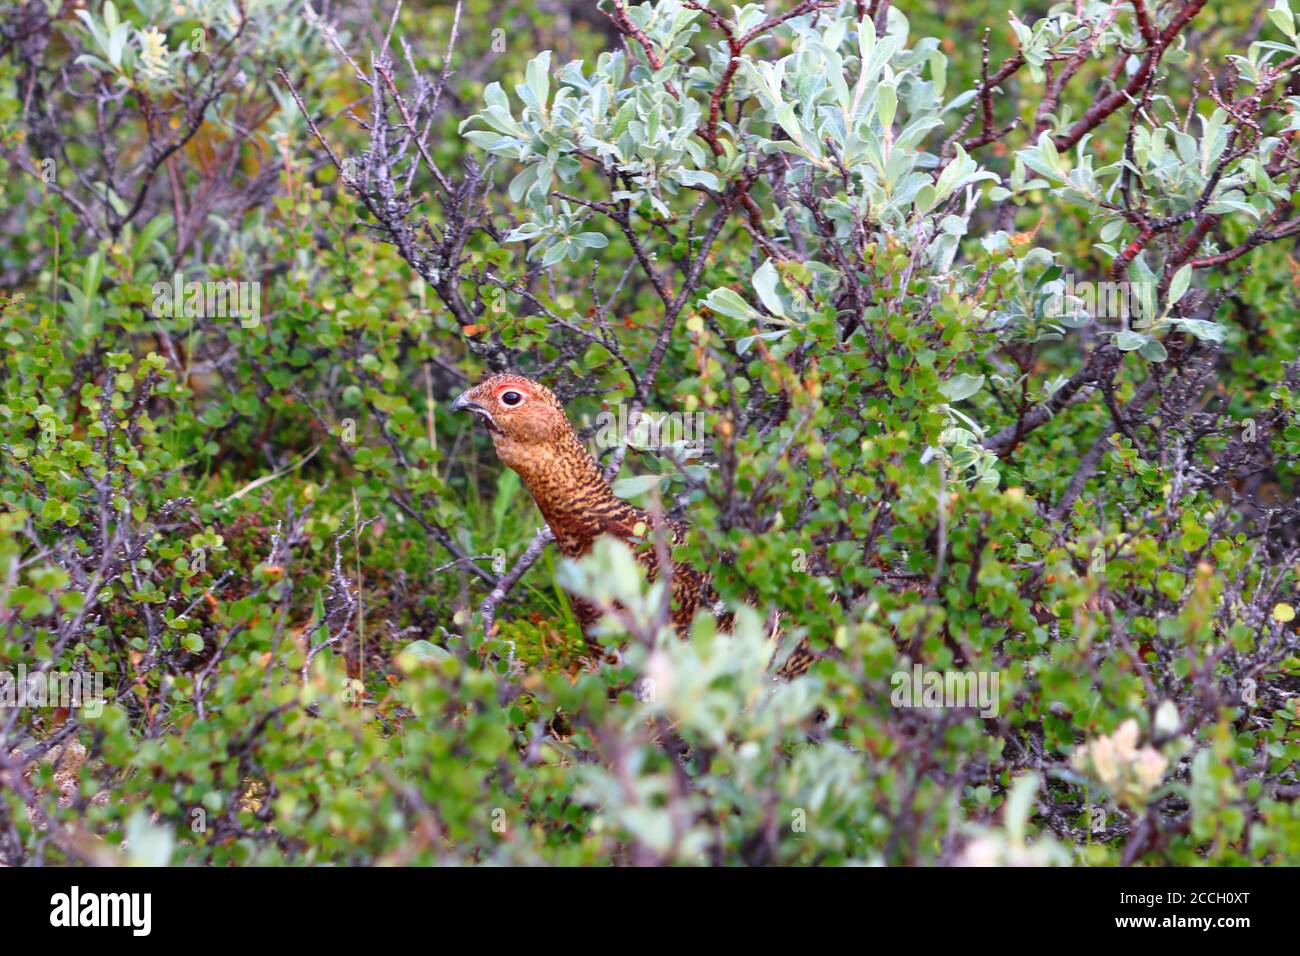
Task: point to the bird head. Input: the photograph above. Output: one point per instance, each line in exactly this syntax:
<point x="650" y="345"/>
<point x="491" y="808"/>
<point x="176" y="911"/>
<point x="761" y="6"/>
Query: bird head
<point x="524" y="417"/>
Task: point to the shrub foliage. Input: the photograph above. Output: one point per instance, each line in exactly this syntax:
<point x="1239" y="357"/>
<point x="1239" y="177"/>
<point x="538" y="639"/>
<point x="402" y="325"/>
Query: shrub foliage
<point x="984" y="328"/>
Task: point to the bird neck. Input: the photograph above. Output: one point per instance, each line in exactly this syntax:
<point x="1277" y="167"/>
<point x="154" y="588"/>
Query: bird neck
<point x="575" y="499"/>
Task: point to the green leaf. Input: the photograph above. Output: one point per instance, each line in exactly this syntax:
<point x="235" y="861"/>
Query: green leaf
<point x="1283" y="18"/>
<point x="145" y="843"/>
<point x="1178" y="285"/>
<point x="1047" y="148"/>
<point x="886" y="105"/>
<point x="1153" y="351"/>
<point x="426" y="652"/>
<point x="961" y="387"/>
<point x="743" y="345"/>
<point x="728" y="303"/>
<point x="1205" y="331"/>
<point x="765" y="282"/>
<point x="696" y="177"/>
<point x="636" y="485"/>
<point x="537" y="75"/>
<point x="1020" y="804"/>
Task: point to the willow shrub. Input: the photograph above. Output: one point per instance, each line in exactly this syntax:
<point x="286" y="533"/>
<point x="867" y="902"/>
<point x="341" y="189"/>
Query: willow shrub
<point x="990" y="356"/>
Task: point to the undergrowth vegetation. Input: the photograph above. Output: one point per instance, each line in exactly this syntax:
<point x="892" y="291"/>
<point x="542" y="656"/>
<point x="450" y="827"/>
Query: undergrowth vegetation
<point x="969" y="343"/>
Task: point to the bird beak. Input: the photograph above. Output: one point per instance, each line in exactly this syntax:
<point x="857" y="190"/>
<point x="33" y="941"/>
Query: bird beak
<point x="463" y="402"/>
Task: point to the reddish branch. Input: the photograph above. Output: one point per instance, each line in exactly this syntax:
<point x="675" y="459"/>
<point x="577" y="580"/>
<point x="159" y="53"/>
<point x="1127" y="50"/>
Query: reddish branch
<point x="1257" y="238"/>
<point x="1103" y="108"/>
<point x="1099" y="368"/>
<point x="1144" y="22"/>
<point x="985" y="104"/>
<point x="1056" y="85"/>
<point x="736" y="46"/>
<point x="1120" y="266"/>
<point x="625" y="25"/>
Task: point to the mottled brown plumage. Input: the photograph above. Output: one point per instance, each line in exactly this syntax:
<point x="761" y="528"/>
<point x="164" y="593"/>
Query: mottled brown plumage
<point x="533" y="437"/>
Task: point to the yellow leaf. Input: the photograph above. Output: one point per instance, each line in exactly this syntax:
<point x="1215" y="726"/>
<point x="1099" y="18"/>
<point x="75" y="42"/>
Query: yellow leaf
<point x="1283" y="613"/>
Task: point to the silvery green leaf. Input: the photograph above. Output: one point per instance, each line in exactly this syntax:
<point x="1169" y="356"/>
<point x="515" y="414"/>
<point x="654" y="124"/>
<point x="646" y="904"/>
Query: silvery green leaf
<point x="938" y="71"/>
<point x="91" y="25"/>
<point x="866" y="39"/>
<point x="765" y="282"/>
<point x="1074" y="318"/>
<point x="1223" y="206"/>
<point x="117" y="43"/>
<point x="555" y="253"/>
<point x="783" y="146"/>
<point x="906" y="189"/>
<point x="961" y="387"/>
<point x="953" y="225"/>
<point x="1047" y="149"/>
<point x="886" y="105"/>
<point x="524" y="231"/>
<point x="1034" y="160"/>
<point x="494" y="142"/>
<point x="1205" y="331"/>
<point x="636" y="485"/>
<point x="696" y="177"/>
<point x="426" y="652"/>
<point x="883" y="51"/>
<point x="1055" y="384"/>
<point x="728" y="303"/>
<point x="952" y="174"/>
<point x="537" y="78"/>
<point x="1283" y="19"/>
<point x="789" y="122"/>
<point x="1127" y="341"/>
<point x="959" y="101"/>
<point x="821" y="269"/>
<point x="146" y="844"/>
<point x="494" y="95"/>
<point x="91" y="60"/>
<point x="520" y="185"/>
<point x="613" y="571"/>
<point x="745" y="344"/>
<point x="1179" y="284"/>
<point x="914" y="131"/>
<point x="1143" y="271"/>
<point x="766" y="79"/>
<point x="1020" y="804"/>
<point x="1270" y="45"/>
<point x="1153" y="351"/>
<point x="995" y="242"/>
<point x="1213" y="139"/>
<point x="1024" y="37"/>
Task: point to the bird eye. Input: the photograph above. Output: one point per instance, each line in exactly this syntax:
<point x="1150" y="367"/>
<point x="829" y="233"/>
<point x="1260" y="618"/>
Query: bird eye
<point x="511" y="398"/>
